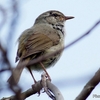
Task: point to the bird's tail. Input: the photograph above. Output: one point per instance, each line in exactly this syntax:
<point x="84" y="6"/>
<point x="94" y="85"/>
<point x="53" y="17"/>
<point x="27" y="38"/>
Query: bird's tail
<point x="14" y="78"/>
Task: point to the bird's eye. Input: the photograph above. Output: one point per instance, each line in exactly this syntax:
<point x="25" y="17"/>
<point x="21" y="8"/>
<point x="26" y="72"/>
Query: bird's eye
<point x="55" y="15"/>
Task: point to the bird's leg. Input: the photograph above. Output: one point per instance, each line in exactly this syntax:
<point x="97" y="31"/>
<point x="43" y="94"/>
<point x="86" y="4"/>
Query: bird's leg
<point x="45" y="71"/>
<point x="32" y="74"/>
<point x="34" y="80"/>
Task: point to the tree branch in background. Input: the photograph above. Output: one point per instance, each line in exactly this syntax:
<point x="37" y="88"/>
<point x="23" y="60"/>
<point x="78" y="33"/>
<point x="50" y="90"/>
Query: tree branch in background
<point x="88" y="88"/>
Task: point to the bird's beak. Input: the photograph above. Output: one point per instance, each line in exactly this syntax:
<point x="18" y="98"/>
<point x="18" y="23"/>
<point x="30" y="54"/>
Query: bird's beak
<point x="68" y="17"/>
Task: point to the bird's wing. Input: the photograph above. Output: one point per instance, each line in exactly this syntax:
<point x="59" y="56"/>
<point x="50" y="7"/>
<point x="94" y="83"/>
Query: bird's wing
<point x="37" y="43"/>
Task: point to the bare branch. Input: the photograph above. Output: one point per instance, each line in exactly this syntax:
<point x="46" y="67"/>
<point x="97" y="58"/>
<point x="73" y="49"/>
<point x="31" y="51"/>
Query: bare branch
<point x="89" y="86"/>
<point x="36" y="88"/>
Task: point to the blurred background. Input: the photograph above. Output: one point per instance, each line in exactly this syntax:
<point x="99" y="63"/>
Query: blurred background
<point x="78" y="63"/>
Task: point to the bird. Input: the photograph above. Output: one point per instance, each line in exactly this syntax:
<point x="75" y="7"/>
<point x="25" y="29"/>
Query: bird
<point x="45" y="37"/>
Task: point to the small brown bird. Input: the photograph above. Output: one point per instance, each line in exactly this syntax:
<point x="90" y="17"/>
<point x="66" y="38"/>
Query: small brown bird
<point x="44" y="37"/>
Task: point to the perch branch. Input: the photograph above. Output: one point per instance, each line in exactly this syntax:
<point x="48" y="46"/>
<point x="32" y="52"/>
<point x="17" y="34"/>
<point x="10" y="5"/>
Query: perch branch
<point x="37" y="87"/>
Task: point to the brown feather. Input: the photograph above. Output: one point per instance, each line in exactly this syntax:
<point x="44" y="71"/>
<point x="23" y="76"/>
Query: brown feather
<point x="36" y="43"/>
